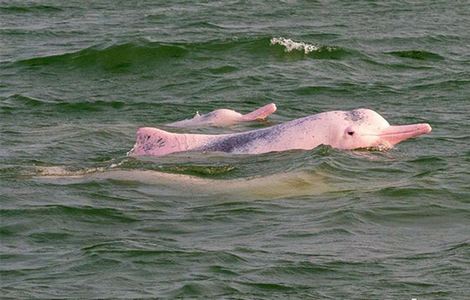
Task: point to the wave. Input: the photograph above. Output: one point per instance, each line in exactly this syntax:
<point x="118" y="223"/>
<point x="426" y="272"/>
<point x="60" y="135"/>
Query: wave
<point x="416" y="54"/>
<point x="443" y="85"/>
<point x="290" y="45"/>
<point x="150" y="53"/>
<point x="114" y="57"/>
<point x="317" y="51"/>
<point x="346" y="89"/>
<point x="30" y="8"/>
<point x="83" y="212"/>
<point x="19" y="101"/>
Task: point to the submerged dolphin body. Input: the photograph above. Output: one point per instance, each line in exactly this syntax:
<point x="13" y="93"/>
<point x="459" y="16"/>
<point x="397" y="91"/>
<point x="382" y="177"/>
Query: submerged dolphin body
<point x="226" y="117"/>
<point x="280" y="185"/>
<point x="360" y="128"/>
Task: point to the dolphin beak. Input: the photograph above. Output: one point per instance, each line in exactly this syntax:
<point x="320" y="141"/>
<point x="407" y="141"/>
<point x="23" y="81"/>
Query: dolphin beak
<point x="395" y="134"/>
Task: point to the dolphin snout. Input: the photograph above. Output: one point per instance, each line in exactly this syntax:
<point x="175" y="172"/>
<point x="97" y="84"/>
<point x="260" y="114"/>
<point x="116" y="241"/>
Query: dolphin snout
<point x="396" y="134"/>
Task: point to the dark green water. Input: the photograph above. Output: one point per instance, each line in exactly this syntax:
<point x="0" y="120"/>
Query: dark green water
<point x="78" y="78"/>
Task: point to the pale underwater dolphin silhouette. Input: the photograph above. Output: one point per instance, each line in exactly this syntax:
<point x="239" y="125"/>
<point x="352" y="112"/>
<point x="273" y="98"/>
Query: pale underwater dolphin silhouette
<point x="281" y="185"/>
<point x="359" y="128"/>
<point x="225" y="117"/>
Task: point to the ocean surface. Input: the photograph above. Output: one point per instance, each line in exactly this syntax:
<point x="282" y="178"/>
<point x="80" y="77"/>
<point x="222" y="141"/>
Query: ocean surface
<point x="81" y="220"/>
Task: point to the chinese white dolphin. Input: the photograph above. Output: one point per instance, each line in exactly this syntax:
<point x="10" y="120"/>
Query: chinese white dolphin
<point x="359" y="128"/>
<point x="225" y="117"/>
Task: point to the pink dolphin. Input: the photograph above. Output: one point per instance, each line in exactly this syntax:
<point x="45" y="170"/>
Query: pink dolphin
<point x="360" y="128"/>
<point x="226" y="117"/>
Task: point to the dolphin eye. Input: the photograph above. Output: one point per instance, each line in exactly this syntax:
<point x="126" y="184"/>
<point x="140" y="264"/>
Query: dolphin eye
<point x="350" y="132"/>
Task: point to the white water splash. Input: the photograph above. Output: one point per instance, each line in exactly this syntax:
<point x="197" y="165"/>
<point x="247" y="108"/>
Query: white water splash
<point x="291" y="45"/>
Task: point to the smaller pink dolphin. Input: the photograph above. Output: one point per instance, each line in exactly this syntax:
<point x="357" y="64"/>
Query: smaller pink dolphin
<point x="360" y="128"/>
<point x="225" y="117"/>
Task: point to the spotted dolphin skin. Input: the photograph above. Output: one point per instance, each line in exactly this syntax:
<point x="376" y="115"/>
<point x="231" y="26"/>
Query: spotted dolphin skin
<point x="226" y="117"/>
<point x="360" y="128"/>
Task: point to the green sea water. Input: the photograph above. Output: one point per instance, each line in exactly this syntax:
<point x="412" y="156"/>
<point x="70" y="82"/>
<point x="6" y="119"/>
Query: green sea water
<point x="81" y="220"/>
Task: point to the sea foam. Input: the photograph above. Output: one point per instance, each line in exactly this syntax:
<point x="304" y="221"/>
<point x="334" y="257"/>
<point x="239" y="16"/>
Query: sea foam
<point x="291" y="45"/>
